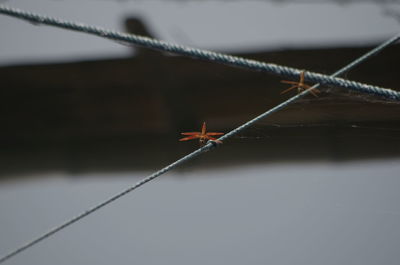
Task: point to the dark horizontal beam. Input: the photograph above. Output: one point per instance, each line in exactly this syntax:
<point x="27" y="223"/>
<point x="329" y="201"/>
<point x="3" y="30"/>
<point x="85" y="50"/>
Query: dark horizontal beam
<point x="99" y="115"/>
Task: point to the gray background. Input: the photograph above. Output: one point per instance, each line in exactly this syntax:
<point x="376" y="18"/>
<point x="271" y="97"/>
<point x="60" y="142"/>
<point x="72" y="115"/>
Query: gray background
<point x="217" y="25"/>
<point x="308" y="213"/>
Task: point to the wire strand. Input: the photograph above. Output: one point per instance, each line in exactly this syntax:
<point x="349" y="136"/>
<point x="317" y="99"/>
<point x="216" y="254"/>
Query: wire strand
<point x="209" y="146"/>
<point x="203" y="54"/>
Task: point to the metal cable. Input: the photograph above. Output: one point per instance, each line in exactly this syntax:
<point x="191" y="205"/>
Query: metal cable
<point x="202" y="54"/>
<point x="209" y="146"/>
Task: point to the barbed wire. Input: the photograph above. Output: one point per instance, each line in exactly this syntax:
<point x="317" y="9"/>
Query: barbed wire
<point x="202" y="54"/>
<point x="209" y="146"/>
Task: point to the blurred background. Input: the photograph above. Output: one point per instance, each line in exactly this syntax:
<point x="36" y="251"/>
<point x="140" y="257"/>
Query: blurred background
<point x="83" y="118"/>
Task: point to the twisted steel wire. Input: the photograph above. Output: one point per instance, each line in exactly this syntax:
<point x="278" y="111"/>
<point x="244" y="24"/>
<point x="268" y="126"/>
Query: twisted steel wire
<point x="202" y="54"/>
<point x="209" y="146"/>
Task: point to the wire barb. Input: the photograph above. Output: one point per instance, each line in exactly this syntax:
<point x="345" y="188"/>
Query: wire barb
<point x="226" y="59"/>
<point x="209" y="146"/>
<point x="300" y="85"/>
